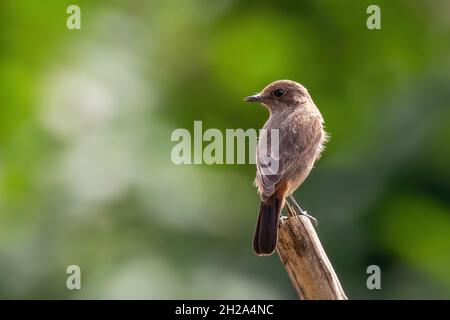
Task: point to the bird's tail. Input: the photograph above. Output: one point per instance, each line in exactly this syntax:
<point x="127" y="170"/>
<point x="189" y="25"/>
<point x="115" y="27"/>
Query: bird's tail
<point x="266" y="233"/>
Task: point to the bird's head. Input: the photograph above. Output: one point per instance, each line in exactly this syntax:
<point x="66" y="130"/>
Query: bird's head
<point x="280" y="95"/>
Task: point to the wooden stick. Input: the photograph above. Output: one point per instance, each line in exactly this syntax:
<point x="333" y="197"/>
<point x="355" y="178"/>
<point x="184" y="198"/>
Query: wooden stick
<point x="305" y="260"/>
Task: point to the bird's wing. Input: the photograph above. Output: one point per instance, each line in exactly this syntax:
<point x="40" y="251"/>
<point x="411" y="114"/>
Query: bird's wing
<point x="295" y="144"/>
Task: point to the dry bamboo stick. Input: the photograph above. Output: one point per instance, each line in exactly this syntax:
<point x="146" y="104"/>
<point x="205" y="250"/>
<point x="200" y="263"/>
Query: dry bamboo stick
<point x="306" y="263"/>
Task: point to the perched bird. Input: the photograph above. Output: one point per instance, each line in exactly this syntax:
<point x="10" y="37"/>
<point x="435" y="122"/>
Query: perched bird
<point x="300" y="141"/>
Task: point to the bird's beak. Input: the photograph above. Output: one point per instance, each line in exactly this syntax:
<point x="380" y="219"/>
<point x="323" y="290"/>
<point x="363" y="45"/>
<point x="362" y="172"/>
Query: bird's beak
<point x="254" y="98"/>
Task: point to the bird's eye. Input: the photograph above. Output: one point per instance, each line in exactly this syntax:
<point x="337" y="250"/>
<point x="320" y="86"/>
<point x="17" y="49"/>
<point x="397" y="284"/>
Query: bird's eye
<point x="278" y="93"/>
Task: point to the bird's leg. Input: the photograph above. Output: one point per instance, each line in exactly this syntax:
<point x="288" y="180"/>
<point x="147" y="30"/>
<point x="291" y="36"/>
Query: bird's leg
<point x="283" y="217"/>
<point x="300" y="211"/>
<point x="289" y="210"/>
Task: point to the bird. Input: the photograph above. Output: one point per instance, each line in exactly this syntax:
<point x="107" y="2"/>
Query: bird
<point x="300" y="139"/>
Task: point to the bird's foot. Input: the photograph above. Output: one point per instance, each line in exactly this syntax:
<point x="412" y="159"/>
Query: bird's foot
<point x="299" y="211"/>
<point x="310" y="217"/>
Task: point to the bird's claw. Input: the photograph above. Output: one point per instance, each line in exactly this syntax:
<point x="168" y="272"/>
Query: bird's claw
<point x="314" y="220"/>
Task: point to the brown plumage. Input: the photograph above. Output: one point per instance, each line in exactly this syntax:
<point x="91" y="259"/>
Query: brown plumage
<point x="301" y="139"/>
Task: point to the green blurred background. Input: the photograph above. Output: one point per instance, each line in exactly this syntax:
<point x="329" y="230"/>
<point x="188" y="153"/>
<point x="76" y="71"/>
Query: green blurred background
<point x="86" y="117"/>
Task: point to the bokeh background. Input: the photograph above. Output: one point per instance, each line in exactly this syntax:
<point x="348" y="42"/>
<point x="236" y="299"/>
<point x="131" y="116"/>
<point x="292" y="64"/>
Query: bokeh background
<point x="86" y="118"/>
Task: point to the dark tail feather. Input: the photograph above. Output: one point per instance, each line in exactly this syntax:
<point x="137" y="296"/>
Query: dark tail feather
<point x="266" y="233"/>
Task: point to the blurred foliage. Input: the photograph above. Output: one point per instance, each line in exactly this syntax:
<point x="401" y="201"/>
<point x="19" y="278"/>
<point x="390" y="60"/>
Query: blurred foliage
<point x="85" y="124"/>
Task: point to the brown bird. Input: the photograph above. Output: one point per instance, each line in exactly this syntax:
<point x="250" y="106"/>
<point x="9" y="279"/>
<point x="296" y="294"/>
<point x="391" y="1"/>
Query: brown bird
<point x="284" y="161"/>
